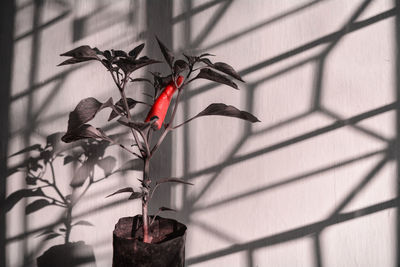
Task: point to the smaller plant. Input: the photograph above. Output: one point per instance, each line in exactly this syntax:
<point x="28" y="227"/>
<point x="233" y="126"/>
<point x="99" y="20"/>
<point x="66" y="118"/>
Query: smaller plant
<point x="41" y="179"/>
<point x="121" y="65"/>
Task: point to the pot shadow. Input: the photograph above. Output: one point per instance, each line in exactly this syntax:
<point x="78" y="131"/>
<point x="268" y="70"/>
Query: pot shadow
<point x="68" y="255"/>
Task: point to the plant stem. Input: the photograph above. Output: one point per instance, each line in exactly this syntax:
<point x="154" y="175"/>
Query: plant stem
<point x="145" y="200"/>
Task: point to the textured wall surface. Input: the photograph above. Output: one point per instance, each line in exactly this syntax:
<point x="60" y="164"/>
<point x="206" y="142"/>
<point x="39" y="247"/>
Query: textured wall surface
<point x="313" y="184"/>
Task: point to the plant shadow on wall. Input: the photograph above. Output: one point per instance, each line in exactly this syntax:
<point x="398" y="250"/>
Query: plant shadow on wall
<point x="43" y="190"/>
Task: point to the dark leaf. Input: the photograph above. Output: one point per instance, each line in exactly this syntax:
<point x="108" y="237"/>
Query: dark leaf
<point x="83" y="223"/>
<point x="51" y="236"/>
<point x="83" y="132"/>
<point x="79" y="54"/>
<point x="207" y="61"/>
<point x="191" y="59"/>
<point x="106" y="64"/>
<point x="160" y="82"/>
<point x="81" y="174"/>
<point x="172" y="180"/>
<point x="45" y="233"/>
<point x="15" y="197"/>
<point x="180" y="66"/>
<point x="169" y="57"/>
<point x="136" y="195"/>
<point x="36" y="205"/>
<point x="141" y="80"/>
<point x="119" y="53"/>
<point x="221" y="109"/>
<point x="227" y="69"/>
<point x="166" y="209"/>
<point x="107" y="164"/>
<point x="85" y="111"/>
<point x="73" y="61"/>
<point x="128" y="65"/>
<point x="98" y="52"/>
<point x="123" y="190"/>
<point x="107" y="55"/>
<point x="62" y="229"/>
<point x="83" y="51"/>
<point x="134" y="53"/>
<point x="120" y="107"/>
<point x="131" y="165"/>
<point x="216" y="77"/>
<point x="206" y="55"/>
<point x="35" y="147"/>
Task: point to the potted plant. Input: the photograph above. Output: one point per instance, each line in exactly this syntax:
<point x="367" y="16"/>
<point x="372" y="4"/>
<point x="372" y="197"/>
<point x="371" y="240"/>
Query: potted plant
<point x="147" y="240"/>
<point x="42" y="182"/>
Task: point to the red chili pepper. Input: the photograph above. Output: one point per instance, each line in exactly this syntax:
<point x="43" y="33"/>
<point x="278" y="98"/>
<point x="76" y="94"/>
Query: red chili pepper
<point x="161" y="105"/>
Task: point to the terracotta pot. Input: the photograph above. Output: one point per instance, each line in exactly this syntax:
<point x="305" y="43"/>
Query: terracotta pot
<point x="68" y="255"/>
<point x="167" y="248"/>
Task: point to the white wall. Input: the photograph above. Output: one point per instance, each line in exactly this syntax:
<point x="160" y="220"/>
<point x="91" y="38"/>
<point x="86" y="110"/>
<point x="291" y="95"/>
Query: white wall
<point x="301" y="188"/>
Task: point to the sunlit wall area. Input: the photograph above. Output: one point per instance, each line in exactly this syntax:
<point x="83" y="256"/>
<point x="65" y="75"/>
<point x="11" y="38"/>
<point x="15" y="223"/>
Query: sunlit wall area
<point x="313" y="184"/>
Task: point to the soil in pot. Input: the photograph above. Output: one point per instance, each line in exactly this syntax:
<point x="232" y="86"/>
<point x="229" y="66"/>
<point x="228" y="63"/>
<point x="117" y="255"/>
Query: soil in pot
<point x="68" y="255"/>
<point x="167" y="248"/>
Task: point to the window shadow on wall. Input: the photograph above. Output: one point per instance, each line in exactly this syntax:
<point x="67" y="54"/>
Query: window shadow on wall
<point x="161" y="24"/>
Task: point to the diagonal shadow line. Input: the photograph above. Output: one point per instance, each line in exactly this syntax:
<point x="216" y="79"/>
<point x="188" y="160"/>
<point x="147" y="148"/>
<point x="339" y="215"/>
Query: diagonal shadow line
<point x="210" y="25"/>
<point x="260" y="25"/>
<point x="63" y="74"/>
<point x="296" y="233"/>
<point x="43" y="26"/>
<point x="346" y="27"/>
<point x="317" y="90"/>
<point x="282" y="123"/>
<point x="193" y="11"/>
<point x="334" y="126"/>
<point x="231" y="154"/>
<point x="246" y="133"/>
<point x="216" y="232"/>
<point x="293" y="179"/>
<point x="358" y="188"/>
<point x="360" y="128"/>
<point x="50" y="96"/>
<point x="325" y="39"/>
<point x="284" y="71"/>
<point x="42" y="84"/>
